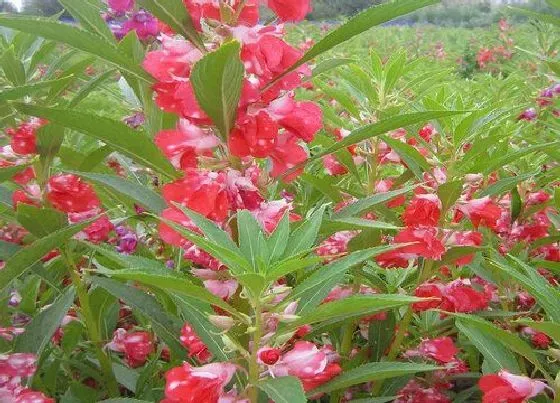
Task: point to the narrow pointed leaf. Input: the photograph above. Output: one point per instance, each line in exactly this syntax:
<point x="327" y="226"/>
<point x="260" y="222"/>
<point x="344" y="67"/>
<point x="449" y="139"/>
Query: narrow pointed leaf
<point x="285" y="389"/>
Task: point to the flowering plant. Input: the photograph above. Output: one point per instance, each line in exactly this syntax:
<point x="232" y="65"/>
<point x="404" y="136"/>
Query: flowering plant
<point x="254" y="231"/>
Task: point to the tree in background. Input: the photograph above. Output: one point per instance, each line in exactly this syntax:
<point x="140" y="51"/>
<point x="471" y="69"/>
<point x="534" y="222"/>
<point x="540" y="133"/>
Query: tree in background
<point x="41" y="7"/>
<point x="333" y="9"/>
<point x="6" y="7"/>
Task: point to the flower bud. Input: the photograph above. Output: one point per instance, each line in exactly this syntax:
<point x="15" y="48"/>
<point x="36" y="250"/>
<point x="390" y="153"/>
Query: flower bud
<point x="221" y="322"/>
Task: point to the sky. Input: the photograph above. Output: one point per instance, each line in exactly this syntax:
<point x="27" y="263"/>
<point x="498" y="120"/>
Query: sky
<point x="16" y="3"/>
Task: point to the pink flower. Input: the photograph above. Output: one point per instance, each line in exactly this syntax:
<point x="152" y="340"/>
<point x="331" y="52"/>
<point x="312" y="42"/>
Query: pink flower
<point x="17" y="365"/>
<point x="269" y="214"/>
<point x="173" y="61"/>
<point x="460" y="296"/>
<point x="206" y="384"/>
<point x="423" y="210"/>
<point x="504" y="387"/>
<point x="145" y="25"/>
<point x="182" y="145"/>
<point x="413" y="392"/>
<point x="336" y="245"/>
<point x="427" y="132"/>
<point x="465" y="238"/>
<point x="120" y="6"/>
<point x="290" y="10"/>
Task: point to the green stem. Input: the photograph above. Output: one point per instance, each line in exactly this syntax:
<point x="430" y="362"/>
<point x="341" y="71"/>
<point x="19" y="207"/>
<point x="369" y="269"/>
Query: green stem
<point x="254" y="371"/>
<point x="92" y="328"/>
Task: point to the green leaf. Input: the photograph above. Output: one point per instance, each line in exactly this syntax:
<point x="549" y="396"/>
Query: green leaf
<point x="358" y="24"/>
<point x="505" y="185"/>
<point x="49" y="140"/>
<point x="330" y="64"/>
<point x="277" y="242"/>
<point x="496" y="355"/>
<point x="10" y="94"/>
<point x="132" y="143"/>
<point x="285" y="389"/>
<point x="355" y="306"/>
<point x="251" y="238"/>
<point x="304" y="236"/>
<point x="141" y="194"/>
<point x="40" y="221"/>
<point x="165" y="325"/>
<point x="380" y="334"/>
<point x="174" y="14"/>
<point x="410" y="155"/>
<point x="217" y="80"/>
<point x="449" y="193"/>
<point x="76" y="38"/>
<point x="516" y="204"/>
<point x="507" y="339"/>
<point x="196" y="314"/>
<point x="353" y="223"/>
<point x="28" y="256"/>
<point x="553" y="3"/>
<point x="38" y="333"/>
<point x="364" y="204"/>
<point x="167" y="280"/>
<point x="124" y="400"/>
<point x="386" y="125"/>
<point x="374" y="371"/>
<point x="13" y="68"/>
<point x="89" y="17"/>
<point x="89" y="87"/>
<point x="316" y="287"/>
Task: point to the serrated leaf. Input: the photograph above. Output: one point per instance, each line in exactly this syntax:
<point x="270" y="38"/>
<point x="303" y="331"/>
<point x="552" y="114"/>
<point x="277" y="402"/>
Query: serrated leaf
<point x="496" y="356"/>
<point x="364" y="204"/>
<point x="410" y="155"/>
<point x="216" y="81"/>
<point x="76" y="38"/>
<point x="133" y="143"/>
<point x="353" y="223"/>
<point x="277" y="242"/>
<point x="141" y="194"/>
<point x="49" y="141"/>
<point x="89" y="17"/>
<point x="358" y="24"/>
<point x="12" y="67"/>
<point x="165" y="325"/>
<point x="174" y="14"/>
<point x="505" y="185"/>
<point x="10" y="94"/>
<point x="449" y="193"/>
<point x="285" y="389"/>
<point x="374" y="371"/>
<point x="316" y="287"/>
<point x="251" y="238"/>
<point x="386" y="125"/>
<point x="380" y="334"/>
<point x="355" y="306"/>
<point x="39" y="331"/>
<point x="40" y="221"/>
<point x="31" y="254"/>
<point x="304" y="236"/>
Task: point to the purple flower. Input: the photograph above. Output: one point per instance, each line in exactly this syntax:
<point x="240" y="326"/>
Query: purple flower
<point x="127" y="240"/>
<point x="528" y="115"/>
<point x="145" y="25"/>
<point x="135" y="120"/>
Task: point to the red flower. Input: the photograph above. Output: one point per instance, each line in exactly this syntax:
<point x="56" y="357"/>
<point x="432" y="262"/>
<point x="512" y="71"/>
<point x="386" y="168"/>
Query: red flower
<point x="268" y="57"/>
<point x="423" y="210"/>
<point x="255" y="135"/>
<point x="465" y="238"/>
<point x="482" y="212"/>
<point x="414" y="393"/>
<point x="269" y="356"/>
<point x="24" y="138"/>
<point x="427" y="132"/>
<point x="99" y="230"/>
<point x="69" y="194"/>
<point x="424" y="244"/>
<point x="205" y="384"/>
<point x="137" y="347"/>
<point x="460" y="296"/>
<point x="428" y="290"/>
<point x="24" y="177"/>
<point x="192" y="342"/>
<point x="287" y="154"/>
<point x="201" y="191"/>
<point x="442" y="350"/>
<point x="290" y="10"/>
<point x="508" y="388"/>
